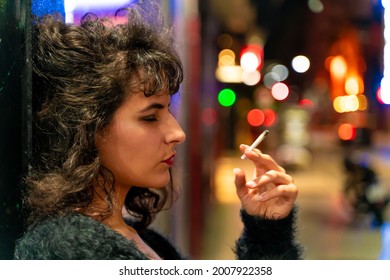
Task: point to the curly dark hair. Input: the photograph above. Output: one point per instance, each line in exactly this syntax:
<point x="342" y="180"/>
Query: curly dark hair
<point x="81" y="76"/>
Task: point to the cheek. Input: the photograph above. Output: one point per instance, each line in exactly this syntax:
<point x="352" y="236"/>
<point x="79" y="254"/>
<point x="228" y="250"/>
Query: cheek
<point x="116" y="150"/>
<point x="140" y="165"/>
<point x="133" y="157"/>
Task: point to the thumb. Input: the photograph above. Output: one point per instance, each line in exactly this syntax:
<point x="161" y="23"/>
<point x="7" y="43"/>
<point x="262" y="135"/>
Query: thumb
<point x="239" y="180"/>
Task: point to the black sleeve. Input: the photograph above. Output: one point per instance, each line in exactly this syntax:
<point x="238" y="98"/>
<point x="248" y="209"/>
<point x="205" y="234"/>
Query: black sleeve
<point x="268" y="239"/>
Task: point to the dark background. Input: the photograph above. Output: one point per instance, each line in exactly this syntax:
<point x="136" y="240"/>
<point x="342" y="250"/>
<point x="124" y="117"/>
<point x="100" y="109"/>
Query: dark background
<point x="14" y="108"/>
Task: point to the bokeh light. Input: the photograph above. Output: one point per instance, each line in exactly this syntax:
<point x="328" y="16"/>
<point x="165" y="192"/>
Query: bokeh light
<point x="249" y="61"/>
<point x="354" y="85"/>
<point x="300" y="63"/>
<point x="209" y="116"/>
<point x="251" y="58"/>
<point x="280" y="91"/>
<point x="225" y="41"/>
<point x="338" y="66"/>
<point x="346" y="132"/>
<point x="270" y="79"/>
<point x="226" y="57"/>
<point x="270" y="117"/>
<point x="251" y="78"/>
<point x="306" y="103"/>
<point x="280" y="71"/>
<point x="385" y="82"/>
<point x="351" y="86"/>
<point x="255" y="117"/>
<point x="229" y="74"/>
<point x="363" y="103"/>
<point x="348" y="103"/>
<point x="96" y="6"/>
<point x="315" y="6"/>
<point x="226" y="97"/>
<point x="379" y="95"/>
<point x="384" y="92"/>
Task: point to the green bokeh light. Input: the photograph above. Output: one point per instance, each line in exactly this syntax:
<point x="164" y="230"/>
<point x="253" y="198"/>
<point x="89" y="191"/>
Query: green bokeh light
<point x="226" y="97"/>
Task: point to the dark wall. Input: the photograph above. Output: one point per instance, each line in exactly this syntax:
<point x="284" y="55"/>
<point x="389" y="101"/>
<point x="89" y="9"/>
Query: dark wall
<point x="15" y="96"/>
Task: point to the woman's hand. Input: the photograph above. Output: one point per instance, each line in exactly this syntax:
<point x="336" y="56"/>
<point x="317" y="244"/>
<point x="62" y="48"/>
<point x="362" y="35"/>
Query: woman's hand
<point x="271" y="193"/>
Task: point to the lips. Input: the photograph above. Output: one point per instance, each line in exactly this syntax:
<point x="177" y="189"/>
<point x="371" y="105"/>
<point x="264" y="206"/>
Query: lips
<point x="169" y="161"/>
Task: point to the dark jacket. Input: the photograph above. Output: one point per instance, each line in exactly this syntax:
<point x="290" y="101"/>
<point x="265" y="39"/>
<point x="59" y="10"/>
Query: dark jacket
<point x="75" y="236"/>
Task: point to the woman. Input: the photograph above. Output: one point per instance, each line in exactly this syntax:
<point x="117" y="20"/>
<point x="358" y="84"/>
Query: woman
<point x="105" y="141"/>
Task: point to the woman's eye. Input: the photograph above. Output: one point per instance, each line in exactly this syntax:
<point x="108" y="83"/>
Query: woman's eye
<point x="150" y="118"/>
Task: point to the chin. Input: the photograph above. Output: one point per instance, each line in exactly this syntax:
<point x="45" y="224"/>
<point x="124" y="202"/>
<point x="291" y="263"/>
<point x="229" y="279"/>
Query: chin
<point x="158" y="184"/>
<point x="156" y="181"/>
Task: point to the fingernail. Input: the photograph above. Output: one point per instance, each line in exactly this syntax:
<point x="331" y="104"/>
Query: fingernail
<point x="251" y="184"/>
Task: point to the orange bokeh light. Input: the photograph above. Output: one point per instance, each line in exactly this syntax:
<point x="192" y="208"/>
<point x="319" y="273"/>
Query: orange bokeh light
<point x="346" y="131"/>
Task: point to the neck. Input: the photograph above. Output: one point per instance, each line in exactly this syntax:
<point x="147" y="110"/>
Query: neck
<point x="115" y="219"/>
<point x="116" y="222"/>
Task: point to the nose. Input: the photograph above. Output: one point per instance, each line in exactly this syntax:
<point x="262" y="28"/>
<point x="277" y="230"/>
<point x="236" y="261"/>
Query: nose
<point x="176" y="134"/>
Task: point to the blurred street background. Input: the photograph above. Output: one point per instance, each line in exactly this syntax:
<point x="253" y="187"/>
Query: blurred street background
<point x="313" y="72"/>
<point x="326" y="227"/>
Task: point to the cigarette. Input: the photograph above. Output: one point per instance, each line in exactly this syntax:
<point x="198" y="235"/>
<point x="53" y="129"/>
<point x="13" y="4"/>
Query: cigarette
<point x="257" y="142"/>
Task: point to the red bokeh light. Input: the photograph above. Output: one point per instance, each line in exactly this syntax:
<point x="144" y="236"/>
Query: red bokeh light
<point x="255" y="117"/>
<point x="270" y="117"/>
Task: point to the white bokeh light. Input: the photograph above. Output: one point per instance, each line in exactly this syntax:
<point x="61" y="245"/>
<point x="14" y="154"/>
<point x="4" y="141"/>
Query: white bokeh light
<point x="300" y="63"/>
<point x="385" y="83"/>
<point x="249" y="62"/>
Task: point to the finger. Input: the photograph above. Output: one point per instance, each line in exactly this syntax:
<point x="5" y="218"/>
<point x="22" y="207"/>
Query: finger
<point x="288" y="192"/>
<point x="264" y="161"/>
<point x="261" y="160"/>
<point x="239" y="179"/>
<point x="243" y="148"/>
<point x="270" y="177"/>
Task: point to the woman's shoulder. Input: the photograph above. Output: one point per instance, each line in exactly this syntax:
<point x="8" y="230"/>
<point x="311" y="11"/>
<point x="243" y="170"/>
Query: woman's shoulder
<point x="74" y="236"/>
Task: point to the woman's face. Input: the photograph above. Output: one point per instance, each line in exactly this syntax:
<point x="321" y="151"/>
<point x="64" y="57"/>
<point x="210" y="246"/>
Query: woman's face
<point x="138" y="146"/>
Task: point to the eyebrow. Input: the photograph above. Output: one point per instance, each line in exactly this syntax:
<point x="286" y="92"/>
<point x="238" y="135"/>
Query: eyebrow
<point x="153" y="106"/>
